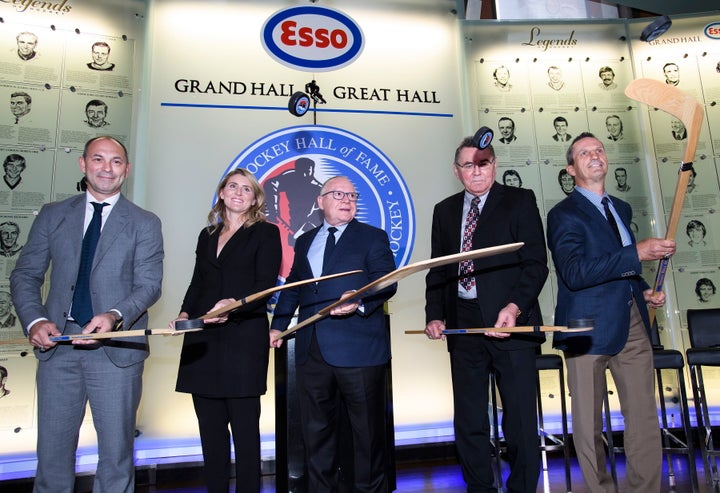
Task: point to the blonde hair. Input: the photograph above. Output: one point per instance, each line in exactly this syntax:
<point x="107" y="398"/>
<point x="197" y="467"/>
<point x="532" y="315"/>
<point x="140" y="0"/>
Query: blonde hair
<point x="255" y="214"/>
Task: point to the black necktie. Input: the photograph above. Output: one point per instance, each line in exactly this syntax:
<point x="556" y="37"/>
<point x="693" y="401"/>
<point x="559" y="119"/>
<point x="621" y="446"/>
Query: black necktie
<point x="611" y="219"/>
<point x="82" y="309"/>
<point x="329" y="247"/>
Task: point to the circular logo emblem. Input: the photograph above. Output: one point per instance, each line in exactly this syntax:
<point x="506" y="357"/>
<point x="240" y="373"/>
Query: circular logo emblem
<point x="712" y="31"/>
<point x="291" y="164"/>
<point x="312" y="39"/>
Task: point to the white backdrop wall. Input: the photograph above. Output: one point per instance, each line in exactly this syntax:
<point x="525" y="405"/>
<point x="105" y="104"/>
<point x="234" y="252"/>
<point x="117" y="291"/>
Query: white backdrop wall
<point x="181" y="152"/>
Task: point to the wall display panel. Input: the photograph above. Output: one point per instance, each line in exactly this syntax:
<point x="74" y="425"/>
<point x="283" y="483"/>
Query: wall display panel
<point x="604" y="81"/>
<point x="14" y="229"/>
<point x="670" y="137"/>
<point x="99" y="63"/>
<point x="67" y="173"/>
<point x="88" y="114"/>
<point x="30" y="117"/>
<point x="628" y="180"/>
<point x="712" y="112"/>
<point x="27" y="178"/>
<point x="702" y="189"/>
<point x="31" y="54"/>
<point x="709" y="70"/>
<point x="514" y="140"/>
<point x="697" y="243"/>
<point x="619" y="131"/>
<point x="502" y="84"/>
<point x="554" y="130"/>
<point x="556" y="82"/>
<point x="17" y="396"/>
<point x="10" y="328"/>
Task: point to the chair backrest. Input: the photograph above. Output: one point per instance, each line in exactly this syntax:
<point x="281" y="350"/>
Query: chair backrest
<point x="704" y="327"/>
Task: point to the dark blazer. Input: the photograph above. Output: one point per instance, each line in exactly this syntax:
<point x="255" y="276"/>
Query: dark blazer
<point x="509" y="215"/>
<point x="596" y="277"/>
<point x="357" y="340"/>
<point x="126" y="273"/>
<point x="230" y="359"/>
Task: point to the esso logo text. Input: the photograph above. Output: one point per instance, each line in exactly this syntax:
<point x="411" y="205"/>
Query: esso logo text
<point x="312" y="39"/>
<point x="712" y="31"/>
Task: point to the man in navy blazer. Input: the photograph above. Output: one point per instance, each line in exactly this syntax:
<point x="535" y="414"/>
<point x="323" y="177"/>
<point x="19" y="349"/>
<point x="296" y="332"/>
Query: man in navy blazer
<point x="506" y="293"/>
<point x="343" y="355"/>
<point x="599" y="278"/>
<point x="124" y="282"/>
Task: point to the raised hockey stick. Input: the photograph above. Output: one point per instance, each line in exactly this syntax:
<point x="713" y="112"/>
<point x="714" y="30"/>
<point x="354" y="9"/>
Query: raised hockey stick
<point x="401" y="273"/>
<point x="684" y="107"/>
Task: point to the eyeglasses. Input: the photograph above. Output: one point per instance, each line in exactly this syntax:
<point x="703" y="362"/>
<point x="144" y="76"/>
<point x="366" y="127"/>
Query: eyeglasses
<point x="338" y="195"/>
<point x="469" y="165"/>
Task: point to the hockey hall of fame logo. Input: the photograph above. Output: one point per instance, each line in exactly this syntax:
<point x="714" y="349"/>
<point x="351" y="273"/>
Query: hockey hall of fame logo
<point x="291" y="165"/>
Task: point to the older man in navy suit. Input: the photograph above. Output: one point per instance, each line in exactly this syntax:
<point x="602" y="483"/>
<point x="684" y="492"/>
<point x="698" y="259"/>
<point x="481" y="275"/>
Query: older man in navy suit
<point x="343" y="356"/>
<point x="121" y="282"/>
<point x="598" y="265"/>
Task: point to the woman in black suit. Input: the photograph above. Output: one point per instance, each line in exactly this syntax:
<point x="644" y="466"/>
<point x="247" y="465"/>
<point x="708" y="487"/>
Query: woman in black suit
<point x="224" y="367"/>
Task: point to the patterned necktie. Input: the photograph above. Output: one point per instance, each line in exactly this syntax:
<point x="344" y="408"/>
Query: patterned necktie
<point x="329" y="247"/>
<point x="467" y="266"/>
<point x="82" y="309"/>
<point x="611" y="219"/>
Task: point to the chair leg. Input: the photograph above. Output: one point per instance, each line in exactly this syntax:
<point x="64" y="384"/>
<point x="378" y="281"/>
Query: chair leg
<point x="704" y="427"/>
<point x="565" y="434"/>
<point x="685" y="411"/>
<point x="609" y="440"/>
<point x="666" y="442"/>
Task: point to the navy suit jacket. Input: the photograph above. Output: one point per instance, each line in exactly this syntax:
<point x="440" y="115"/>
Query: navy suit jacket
<point x="509" y="215"/>
<point x="357" y="340"/>
<point x="596" y="276"/>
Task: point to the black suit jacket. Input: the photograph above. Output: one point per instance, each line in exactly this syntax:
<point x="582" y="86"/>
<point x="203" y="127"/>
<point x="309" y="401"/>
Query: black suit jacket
<point x="509" y="215"/>
<point x="230" y="359"/>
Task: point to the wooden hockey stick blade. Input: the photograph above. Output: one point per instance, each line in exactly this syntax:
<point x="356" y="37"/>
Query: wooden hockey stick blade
<point x="269" y="291"/>
<point x="584" y="326"/>
<point x="401" y="273"/>
<point x="687" y="109"/>
<point x="192" y="325"/>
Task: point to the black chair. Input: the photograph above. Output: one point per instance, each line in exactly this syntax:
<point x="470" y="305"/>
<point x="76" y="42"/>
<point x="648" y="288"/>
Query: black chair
<point x="704" y="332"/>
<point x="548" y="441"/>
<point x="672" y="442"/>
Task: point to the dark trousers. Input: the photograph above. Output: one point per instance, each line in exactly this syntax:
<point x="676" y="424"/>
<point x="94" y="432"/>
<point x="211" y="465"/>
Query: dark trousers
<point x="472" y="359"/>
<point x="243" y="415"/>
<point x="322" y="389"/>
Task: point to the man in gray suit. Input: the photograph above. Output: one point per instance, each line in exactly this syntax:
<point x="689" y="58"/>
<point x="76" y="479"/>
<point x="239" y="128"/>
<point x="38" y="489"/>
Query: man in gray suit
<point x="124" y="282"/>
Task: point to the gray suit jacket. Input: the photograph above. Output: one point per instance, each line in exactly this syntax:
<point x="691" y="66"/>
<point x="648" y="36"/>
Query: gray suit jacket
<point x="126" y="273"/>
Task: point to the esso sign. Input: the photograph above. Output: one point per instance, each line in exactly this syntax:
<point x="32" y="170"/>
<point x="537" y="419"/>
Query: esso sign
<point x="312" y="39"/>
<point x="712" y="31"/>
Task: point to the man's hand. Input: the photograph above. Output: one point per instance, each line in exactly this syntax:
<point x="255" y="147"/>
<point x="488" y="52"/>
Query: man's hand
<point x="506" y="318"/>
<point x="275" y="341"/>
<point x="655" y="249"/>
<point x="434" y="330"/>
<point x="653" y="298"/>
<point x="103" y="322"/>
<point x="40" y="334"/>
<point x="346" y="308"/>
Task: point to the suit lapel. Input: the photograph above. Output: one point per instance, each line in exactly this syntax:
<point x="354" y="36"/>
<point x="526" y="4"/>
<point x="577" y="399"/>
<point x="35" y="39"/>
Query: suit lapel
<point x="594" y="215"/>
<point x="114" y="224"/>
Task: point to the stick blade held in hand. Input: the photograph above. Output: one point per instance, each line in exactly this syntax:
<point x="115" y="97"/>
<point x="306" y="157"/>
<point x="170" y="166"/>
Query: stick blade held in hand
<point x="401" y="273"/>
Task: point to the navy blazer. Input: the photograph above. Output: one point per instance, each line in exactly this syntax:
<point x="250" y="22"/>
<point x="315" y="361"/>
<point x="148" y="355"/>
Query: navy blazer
<point x="597" y="278"/>
<point x="357" y="340"/>
<point x="509" y="215"/>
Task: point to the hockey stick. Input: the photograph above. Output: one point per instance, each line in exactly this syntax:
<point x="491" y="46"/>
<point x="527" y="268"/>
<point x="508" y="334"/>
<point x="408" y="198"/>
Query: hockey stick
<point x="401" y="273"/>
<point x="581" y="325"/>
<point x="684" y="107"/>
<point x="192" y="325"/>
